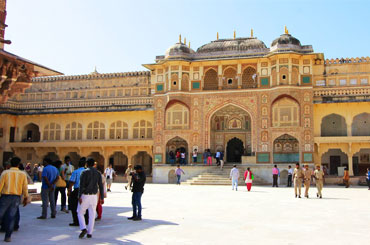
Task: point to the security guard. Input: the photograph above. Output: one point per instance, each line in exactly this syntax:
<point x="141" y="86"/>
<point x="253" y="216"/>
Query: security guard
<point x="297" y="178"/>
<point x="319" y="177"/>
<point x="307" y="179"/>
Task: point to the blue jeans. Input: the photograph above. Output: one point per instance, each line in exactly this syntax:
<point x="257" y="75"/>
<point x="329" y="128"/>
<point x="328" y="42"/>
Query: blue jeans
<point x="235" y="183"/>
<point x="194" y="159"/>
<point x="136" y="204"/>
<point x="8" y="208"/>
<point x="178" y="179"/>
<point x="35" y="178"/>
<point x="48" y="196"/>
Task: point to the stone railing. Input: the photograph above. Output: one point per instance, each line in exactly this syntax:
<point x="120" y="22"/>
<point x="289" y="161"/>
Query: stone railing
<point x="347" y="60"/>
<point x="323" y="92"/>
<point x="77" y="104"/>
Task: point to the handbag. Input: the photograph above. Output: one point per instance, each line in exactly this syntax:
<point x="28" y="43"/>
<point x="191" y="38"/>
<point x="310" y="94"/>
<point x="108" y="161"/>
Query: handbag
<point x="252" y="177"/>
<point x="60" y="182"/>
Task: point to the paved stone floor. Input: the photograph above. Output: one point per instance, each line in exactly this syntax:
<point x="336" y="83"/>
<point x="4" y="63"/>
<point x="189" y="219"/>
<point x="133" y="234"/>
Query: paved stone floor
<point x="214" y="215"/>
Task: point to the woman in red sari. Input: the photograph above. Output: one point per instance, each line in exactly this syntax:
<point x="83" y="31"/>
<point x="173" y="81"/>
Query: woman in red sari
<point x="248" y="178"/>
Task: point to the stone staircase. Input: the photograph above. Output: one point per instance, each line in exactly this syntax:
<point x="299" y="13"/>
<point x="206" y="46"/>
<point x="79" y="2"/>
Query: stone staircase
<point x="216" y="176"/>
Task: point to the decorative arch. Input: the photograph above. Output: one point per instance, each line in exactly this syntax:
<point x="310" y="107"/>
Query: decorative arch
<point x="333" y="125"/>
<point x="286" y="149"/>
<point x="174" y="81"/>
<point x="177" y="116"/>
<point x="284" y="76"/>
<point x="185" y="82"/>
<point x="73" y="131"/>
<point x="96" y="130"/>
<point x="118" y="130"/>
<point x="285" y="112"/>
<point x="210" y="80"/>
<point x="142" y="130"/>
<point x="295" y="76"/>
<point x="176" y="144"/>
<point x="230" y="80"/>
<point x="361" y="125"/>
<point x="273" y="77"/>
<point x="249" y="77"/>
<point x="52" y="131"/>
<point x="31" y="133"/>
<point x="145" y="160"/>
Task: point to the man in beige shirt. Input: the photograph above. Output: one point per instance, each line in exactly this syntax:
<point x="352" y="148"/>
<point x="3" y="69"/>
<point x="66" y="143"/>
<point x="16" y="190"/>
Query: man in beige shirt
<point x="128" y="176"/>
<point x="307" y="179"/>
<point x="319" y="177"/>
<point x="297" y="178"/>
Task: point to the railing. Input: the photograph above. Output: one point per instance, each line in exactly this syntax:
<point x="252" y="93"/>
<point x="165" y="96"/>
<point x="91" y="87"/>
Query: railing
<point x="347" y="60"/>
<point x="323" y="92"/>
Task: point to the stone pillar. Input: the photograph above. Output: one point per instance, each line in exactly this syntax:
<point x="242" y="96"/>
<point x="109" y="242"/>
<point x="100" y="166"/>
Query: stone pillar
<point x="350" y="164"/>
<point x="349" y="120"/>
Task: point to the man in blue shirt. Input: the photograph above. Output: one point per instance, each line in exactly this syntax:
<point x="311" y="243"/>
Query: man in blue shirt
<point x="73" y="195"/>
<point x="50" y="175"/>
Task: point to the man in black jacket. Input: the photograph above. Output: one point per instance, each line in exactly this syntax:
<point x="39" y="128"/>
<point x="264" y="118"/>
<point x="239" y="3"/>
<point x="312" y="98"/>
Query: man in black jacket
<point x="138" y="182"/>
<point x="90" y="180"/>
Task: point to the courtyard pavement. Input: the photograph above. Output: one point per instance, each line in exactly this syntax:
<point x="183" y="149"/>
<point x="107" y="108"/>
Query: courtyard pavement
<point x="213" y="215"/>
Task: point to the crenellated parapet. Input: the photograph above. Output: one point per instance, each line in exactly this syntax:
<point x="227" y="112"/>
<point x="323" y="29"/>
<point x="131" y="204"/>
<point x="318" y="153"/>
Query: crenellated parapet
<point x="347" y="60"/>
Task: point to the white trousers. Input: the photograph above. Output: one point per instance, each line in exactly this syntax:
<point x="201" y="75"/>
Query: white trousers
<point x="88" y="202"/>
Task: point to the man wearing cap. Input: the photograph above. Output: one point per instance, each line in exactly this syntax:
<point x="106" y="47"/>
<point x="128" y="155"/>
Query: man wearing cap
<point x="307" y="179"/>
<point x="138" y="182"/>
<point x="319" y="177"/>
<point x="297" y="177"/>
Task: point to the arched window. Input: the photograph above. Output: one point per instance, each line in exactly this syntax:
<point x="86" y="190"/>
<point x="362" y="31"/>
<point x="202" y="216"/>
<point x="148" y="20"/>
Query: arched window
<point x="211" y="80"/>
<point x="361" y="125"/>
<point x="118" y="130"/>
<point x="249" y="78"/>
<point x="96" y="130"/>
<point x="284" y="76"/>
<point x="73" y="131"/>
<point x="185" y="82"/>
<point x="142" y="130"/>
<point x="52" y="132"/>
<point x="285" y="113"/>
<point x="230" y="81"/>
<point x="333" y="125"/>
<point x="177" y="117"/>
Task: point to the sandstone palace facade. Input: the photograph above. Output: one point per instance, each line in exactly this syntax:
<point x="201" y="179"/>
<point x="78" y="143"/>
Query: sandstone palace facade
<point x="260" y="105"/>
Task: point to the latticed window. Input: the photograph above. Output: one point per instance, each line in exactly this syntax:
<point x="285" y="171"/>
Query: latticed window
<point x="211" y="80"/>
<point x="118" y="130"/>
<point x="285" y="113"/>
<point x="249" y="78"/>
<point x="177" y="117"/>
<point x="95" y="130"/>
<point x="142" y="129"/>
<point x="73" y="131"/>
<point x="52" y="132"/>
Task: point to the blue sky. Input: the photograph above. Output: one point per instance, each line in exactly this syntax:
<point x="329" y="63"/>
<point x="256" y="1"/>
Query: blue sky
<point x="74" y="36"/>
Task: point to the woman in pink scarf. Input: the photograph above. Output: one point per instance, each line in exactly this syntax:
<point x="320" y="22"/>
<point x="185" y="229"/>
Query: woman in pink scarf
<point x="248" y="178"/>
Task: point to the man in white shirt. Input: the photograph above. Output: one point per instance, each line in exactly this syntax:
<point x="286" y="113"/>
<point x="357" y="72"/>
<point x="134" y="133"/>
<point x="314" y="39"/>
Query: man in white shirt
<point x="234" y="176"/>
<point x="218" y="155"/>
<point x="109" y="173"/>
<point x="290" y="174"/>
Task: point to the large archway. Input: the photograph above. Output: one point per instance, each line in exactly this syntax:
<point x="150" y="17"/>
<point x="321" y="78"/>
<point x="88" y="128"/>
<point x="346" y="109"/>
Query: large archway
<point x="75" y="158"/>
<point x="177" y="144"/>
<point x="361" y="161"/>
<point x="99" y="159"/>
<point x="333" y="125"/>
<point x="286" y="149"/>
<point x="361" y="125"/>
<point x="52" y="156"/>
<point x="119" y="162"/>
<point x="227" y="123"/>
<point x="333" y="159"/>
<point x="145" y="160"/>
<point x="31" y="133"/>
<point x="234" y="150"/>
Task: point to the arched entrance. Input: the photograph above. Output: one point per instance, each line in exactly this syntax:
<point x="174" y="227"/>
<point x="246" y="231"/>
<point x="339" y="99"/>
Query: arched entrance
<point x="145" y="160"/>
<point x="234" y="150"/>
<point x="52" y="156"/>
<point x="177" y="144"/>
<point x="286" y="149"/>
<point x="99" y="159"/>
<point x="31" y="133"/>
<point x="75" y="158"/>
<point x="119" y="162"/>
<point x="333" y="159"/>
<point x="228" y="123"/>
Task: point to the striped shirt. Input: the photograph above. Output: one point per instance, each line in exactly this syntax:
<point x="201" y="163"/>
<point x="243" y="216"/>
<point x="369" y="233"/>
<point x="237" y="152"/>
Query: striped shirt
<point x="13" y="182"/>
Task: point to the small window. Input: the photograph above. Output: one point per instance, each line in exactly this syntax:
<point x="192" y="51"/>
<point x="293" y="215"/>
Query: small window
<point x="364" y="81"/>
<point x="230" y="81"/>
<point x="174" y="83"/>
<point x="284" y="77"/>
<point x="353" y="81"/>
<point x="342" y="82"/>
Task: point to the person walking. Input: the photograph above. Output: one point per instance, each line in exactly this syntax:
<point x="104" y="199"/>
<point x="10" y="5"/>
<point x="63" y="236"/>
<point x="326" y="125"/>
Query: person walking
<point x="90" y="184"/>
<point x="195" y="155"/>
<point x="368" y="177"/>
<point x="50" y="176"/>
<point x="178" y="155"/>
<point x="13" y="184"/>
<point x="346" y="177"/>
<point x="99" y="206"/>
<point x="35" y="173"/>
<point x="128" y="176"/>
<point x="222" y="159"/>
<point x="307" y="179"/>
<point x="61" y="186"/>
<point x="182" y="158"/>
<point x="205" y="156"/>
<point x="218" y="156"/>
<point x="178" y="173"/>
<point x="275" y="176"/>
<point x="297" y="178"/>
<point x="319" y="179"/>
<point x="290" y="175"/>
<point x="109" y="174"/>
<point x="172" y="157"/>
<point x="138" y="182"/>
<point x="74" y="182"/>
<point x="209" y="158"/>
<point x="248" y="178"/>
<point x="234" y="176"/>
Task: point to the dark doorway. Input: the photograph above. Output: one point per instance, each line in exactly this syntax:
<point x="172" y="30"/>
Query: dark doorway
<point x="234" y="150"/>
<point x="356" y="169"/>
<point x="334" y="164"/>
<point x="12" y="134"/>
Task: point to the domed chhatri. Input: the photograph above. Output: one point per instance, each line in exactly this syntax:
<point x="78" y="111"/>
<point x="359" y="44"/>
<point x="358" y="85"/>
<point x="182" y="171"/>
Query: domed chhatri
<point x="288" y="43"/>
<point x="286" y="39"/>
<point x="238" y="44"/>
<point x="179" y="50"/>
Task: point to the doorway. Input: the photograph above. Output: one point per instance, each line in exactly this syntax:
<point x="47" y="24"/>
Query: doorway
<point x="234" y="150"/>
<point x="334" y="164"/>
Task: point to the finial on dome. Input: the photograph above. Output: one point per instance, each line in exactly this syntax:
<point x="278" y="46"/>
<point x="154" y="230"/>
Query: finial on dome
<point x="252" y="32"/>
<point x="217" y="35"/>
<point x="286" y="30"/>
<point x="180" y="38"/>
<point x="185" y="40"/>
<point x="234" y="34"/>
<point x="189" y="44"/>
